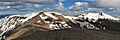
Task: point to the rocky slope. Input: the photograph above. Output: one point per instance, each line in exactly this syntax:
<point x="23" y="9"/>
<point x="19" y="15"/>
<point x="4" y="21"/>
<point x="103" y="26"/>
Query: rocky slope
<point x="15" y="26"/>
<point x="70" y="34"/>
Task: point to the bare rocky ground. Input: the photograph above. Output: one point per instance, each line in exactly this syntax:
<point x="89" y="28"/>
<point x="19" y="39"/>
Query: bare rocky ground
<point x="70" y="34"/>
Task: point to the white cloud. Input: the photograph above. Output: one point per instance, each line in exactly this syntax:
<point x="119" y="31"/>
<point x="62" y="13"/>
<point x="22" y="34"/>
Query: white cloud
<point x="31" y="1"/>
<point x="78" y="5"/>
<point x="59" y="6"/>
<point x="93" y="9"/>
<point x="18" y="6"/>
<point x="107" y="3"/>
<point x="89" y="0"/>
<point x="38" y="5"/>
<point x="61" y="0"/>
<point x="47" y="9"/>
<point x="81" y="3"/>
<point x="23" y="4"/>
<point x="9" y="3"/>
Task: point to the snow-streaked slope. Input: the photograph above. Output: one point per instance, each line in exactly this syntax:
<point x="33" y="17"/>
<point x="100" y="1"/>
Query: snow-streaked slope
<point x="96" y="16"/>
<point x="51" y="21"/>
<point x="5" y="22"/>
<point x="71" y="18"/>
<point x="50" y="15"/>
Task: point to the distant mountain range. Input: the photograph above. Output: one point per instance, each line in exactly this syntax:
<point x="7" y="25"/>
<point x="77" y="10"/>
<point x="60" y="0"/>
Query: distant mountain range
<point x="2" y="16"/>
<point x="12" y="27"/>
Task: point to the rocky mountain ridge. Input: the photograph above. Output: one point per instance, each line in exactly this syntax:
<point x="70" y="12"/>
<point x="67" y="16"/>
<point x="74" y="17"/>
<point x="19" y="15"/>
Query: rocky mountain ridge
<point x="46" y="21"/>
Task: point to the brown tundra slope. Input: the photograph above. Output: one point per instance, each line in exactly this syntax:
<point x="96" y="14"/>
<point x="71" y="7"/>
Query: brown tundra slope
<point x="70" y="34"/>
<point x="56" y="26"/>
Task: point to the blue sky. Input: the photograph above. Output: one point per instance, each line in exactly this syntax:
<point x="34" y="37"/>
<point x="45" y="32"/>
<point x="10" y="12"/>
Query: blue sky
<point x="62" y="6"/>
<point x="67" y="3"/>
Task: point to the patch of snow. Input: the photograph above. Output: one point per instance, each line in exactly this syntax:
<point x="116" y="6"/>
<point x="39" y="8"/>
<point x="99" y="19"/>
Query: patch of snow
<point x="43" y="18"/>
<point x="71" y="18"/>
<point x="95" y="16"/>
<point x="104" y="28"/>
<point x="55" y="13"/>
<point x="39" y="21"/>
<point x="14" y="16"/>
<point x="50" y="15"/>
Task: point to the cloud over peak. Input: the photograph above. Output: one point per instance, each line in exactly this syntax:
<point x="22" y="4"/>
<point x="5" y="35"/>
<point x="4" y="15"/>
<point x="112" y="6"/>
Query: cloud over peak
<point x="78" y="5"/>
